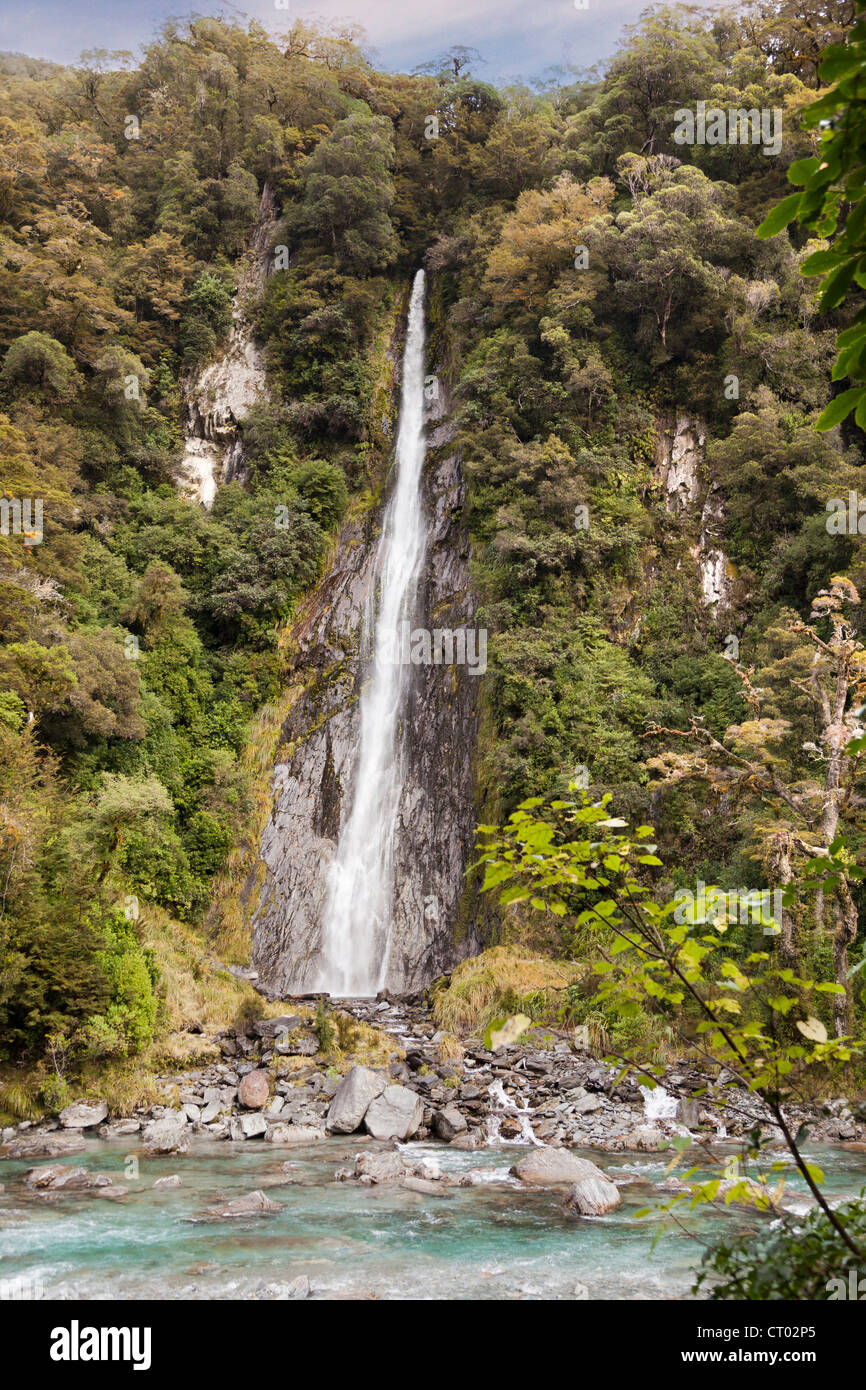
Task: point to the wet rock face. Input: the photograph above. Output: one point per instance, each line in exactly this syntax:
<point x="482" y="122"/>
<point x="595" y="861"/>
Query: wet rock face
<point x="221" y="394"/>
<point x="681" y="469"/>
<point x="313" y="781"/>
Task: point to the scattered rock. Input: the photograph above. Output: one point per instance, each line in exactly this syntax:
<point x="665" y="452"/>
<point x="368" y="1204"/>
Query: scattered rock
<point x="548" y="1167"/>
<point x="46" y="1146"/>
<point x="449" y="1122"/>
<point x="425" y="1187"/>
<point x="252" y="1125"/>
<point x="273" y="1027"/>
<point x="57" y="1176"/>
<point x="380" y="1167"/>
<point x="293" y="1134"/>
<point x="253" y="1204"/>
<point x="83" y="1116"/>
<point x="173" y="1181"/>
<point x="112" y="1192"/>
<point x="254" y="1089"/>
<point x="353" y="1097"/>
<point x="170" y="1135"/>
<point x="646" y="1139"/>
<point x="395" y="1114"/>
<point x="118" y="1129"/>
<point x="593" y="1197"/>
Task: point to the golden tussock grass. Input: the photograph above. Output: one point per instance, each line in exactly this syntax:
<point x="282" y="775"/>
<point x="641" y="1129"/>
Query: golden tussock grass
<point x="502" y="980"/>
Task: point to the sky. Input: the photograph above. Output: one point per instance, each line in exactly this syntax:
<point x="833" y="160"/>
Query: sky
<point x="518" y="39"/>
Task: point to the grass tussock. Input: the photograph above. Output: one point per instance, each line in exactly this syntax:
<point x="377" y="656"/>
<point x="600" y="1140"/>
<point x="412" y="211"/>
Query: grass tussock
<point x="501" y="981"/>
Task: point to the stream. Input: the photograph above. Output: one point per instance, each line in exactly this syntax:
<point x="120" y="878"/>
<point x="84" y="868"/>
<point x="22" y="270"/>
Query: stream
<point x="494" y="1240"/>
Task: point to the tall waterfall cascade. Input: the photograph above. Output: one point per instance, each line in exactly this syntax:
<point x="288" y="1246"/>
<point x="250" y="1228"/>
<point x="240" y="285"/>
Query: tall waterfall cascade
<point x="357" y="883"/>
<point x="356" y="936"/>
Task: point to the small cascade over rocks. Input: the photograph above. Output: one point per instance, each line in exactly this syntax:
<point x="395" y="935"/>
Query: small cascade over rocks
<point x="219" y="397"/>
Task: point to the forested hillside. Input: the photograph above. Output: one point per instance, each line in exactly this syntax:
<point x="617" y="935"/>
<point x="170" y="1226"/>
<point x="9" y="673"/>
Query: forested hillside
<point x="635" y="380"/>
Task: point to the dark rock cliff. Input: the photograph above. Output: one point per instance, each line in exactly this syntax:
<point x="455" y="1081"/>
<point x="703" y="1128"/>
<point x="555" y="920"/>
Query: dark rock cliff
<point x="312" y="779"/>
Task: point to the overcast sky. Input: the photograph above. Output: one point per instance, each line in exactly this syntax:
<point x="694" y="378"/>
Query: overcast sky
<point x="518" y="38"/>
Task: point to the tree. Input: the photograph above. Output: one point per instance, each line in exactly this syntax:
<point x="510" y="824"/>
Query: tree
<point x="833" y="182"/>
<point x="348" y="191"/>
<point x="576" y="861"/>
<point x="662" y="251"/>
<point x="35" y="359"/>
<point x="809" y="814"/>
<point x="539" y="239"/>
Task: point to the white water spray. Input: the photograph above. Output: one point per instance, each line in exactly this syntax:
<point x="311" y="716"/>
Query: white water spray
<point x="658" y="1104"/>
<point x="357" y="924"/>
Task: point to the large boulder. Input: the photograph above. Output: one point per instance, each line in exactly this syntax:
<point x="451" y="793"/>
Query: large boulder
<point x="82" y="1116"/>
<point x="46" y="1146"/>
<point x="395" y="1114"/>
<point x="58" y="1176"/>
<point x="380" y="1167"/>
<point x="273" y="1027"/>
<point x="293" y="1134"/>
<point x="593" y="1197"/>
<point x="170" y="1135"/>
<point x="547" y="1167"/>
<point x="253" y="1125"/>
<point x="254" y="1204"/>
<point x="254" y="1089"/>
<point x="449" y="1122"/>
<point x="354" y="1095"/>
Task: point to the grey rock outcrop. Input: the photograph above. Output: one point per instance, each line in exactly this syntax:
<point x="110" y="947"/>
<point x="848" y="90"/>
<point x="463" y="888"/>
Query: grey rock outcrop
<point x="395" y="1114"/>
<point x="83" y="1115"/>
<point x="317" y="754"/>
<point x="353" y="1097"/>
<point x="546" y="1167"/>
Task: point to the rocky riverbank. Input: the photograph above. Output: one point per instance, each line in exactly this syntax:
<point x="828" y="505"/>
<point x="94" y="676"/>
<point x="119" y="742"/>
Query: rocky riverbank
<point x="270" y="1081"/>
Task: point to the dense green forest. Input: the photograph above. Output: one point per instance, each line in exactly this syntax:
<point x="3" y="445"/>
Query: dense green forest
<point x="594" y="283"/>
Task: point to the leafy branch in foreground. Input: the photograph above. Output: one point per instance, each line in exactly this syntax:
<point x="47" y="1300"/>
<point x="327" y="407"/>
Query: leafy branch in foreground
<point x="577" y="861"/>
<point x="834" y="181"/>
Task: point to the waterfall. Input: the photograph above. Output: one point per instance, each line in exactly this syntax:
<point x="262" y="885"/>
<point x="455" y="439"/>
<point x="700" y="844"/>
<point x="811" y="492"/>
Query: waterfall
<point x="357" y="923"/>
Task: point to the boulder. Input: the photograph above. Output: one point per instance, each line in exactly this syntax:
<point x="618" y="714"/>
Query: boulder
<point x="547" y="1167"/>
<point x="354" y="1095"/>
<point x="293" y="1134"/>
<point x="253" y="1204"/>
<point x="395" y="1114"/>
<point x="380" y="1167"/>
<point x="170" y="1135"/>
<point x="471" y="1140"/>
<point x="254" y="1089"/>
<point x="57" y="1176"/>
<point x="252" y="1125"/>
<point x="83" y="1116"/>
<point x="173" y="1181"/>
<point x="425" y="1187"/>
<point x="587" y="1103"/>
<point x="118" y="1129"/>
<point x="646" y="1139"/>
<point x="593" y="1197"/>
<point x="273" y="1027"/>
<point x="112" y="1192"/>
<point x="449" y="1122"/>
<point x="46" y="1146"/>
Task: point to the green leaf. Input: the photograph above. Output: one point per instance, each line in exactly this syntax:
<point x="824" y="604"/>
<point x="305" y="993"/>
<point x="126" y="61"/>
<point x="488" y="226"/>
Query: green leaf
<point x="839" y="408"/>
<point x="779" y="216"/>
